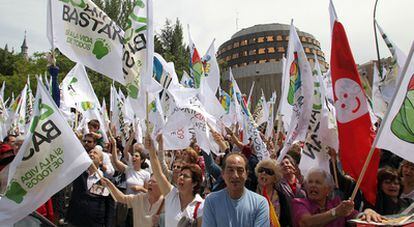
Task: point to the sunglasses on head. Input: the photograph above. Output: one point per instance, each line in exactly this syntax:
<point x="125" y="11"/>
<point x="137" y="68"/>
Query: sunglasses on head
<point x="266" y="170"/>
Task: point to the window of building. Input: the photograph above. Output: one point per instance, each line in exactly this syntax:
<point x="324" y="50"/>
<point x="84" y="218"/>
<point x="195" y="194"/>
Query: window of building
<point x="270" y="50"/>
<point x="252" y="52"/>
<point x="311" y="60"/>
<point x="229" y="47"/>
<point x="303" y="39"/>
<point x="228" y="58"/>
<point x="244" y="53"/>
<point x="307" y="50"/>
<point x="309" y="39"/>
<point x="279" y="38"/>
<point x="235" y="65"/>
<point x="269" y="38"/>
<point x="262" y="50"/>
<point x="272" y="60"/>
<point x="260" y="40"/>
<point x="262" y="61"/>
<point x="235" y="55"/>
<point x="252" y="41"/>
<point x="236" y="44"/>
<point x="243" y="42"/>
<point x="287" y="38"/>
<point x="252" y="63"/>
<point x="243" y="64"/>
<point x="281" y="49"/>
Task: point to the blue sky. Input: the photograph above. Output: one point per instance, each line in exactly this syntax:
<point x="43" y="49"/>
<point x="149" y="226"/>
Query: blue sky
<point x="217" y="19"/>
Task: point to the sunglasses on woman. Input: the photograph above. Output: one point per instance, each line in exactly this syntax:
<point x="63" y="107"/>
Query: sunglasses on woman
<point x="266" y="170"/>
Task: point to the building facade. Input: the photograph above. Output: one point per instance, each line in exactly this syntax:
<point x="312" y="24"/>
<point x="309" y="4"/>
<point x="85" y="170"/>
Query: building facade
<point x="255" y="54"/>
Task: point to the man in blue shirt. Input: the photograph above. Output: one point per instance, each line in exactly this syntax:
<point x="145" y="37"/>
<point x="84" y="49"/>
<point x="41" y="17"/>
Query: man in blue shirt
<point x="235" y="206"/>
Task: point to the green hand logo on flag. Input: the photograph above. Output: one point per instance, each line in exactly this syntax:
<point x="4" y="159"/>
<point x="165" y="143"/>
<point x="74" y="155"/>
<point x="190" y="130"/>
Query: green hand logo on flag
<point x="403" y="123"/>
<point x="15" y="192"/>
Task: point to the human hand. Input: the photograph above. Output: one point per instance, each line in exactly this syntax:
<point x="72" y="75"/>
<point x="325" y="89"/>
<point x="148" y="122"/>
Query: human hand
<point x="370" y="215"/>
<point x="104" y="181"/>
<point x="345" y="208"/>
<point x="149" y="143"/>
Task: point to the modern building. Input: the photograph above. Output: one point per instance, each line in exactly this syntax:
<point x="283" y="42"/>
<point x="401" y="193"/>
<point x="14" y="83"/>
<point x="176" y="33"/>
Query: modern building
<point x="255" y="54"/>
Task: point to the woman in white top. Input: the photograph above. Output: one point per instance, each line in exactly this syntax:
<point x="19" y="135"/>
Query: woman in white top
<point x="183" y="204"/>
<point x="136" y="177"/>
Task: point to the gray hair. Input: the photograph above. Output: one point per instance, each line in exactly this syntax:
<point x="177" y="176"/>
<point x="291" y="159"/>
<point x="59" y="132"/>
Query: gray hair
<point x="327" y="176"/>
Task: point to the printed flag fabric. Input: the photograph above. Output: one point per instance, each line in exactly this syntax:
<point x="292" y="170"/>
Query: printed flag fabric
<point x="196" y="65"/>
<point x="85" y="34"/>
<point x="379" y="106"/>
<point x="397" y="130"/>
<point x="314" y="152"/>
<point x="211" y="69"/>
<point x="354" y="124"/>
<point x="300" y="91"/>
<point x="50" y="158"/>
<point x="388" y="84"/>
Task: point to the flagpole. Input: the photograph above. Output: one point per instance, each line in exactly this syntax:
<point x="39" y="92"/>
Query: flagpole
<point x="374" y="144"/>
<point x="146" y="113"/>
<point x="376" y="40"/>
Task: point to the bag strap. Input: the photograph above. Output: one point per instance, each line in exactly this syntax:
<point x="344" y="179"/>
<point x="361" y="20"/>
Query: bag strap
<point x="161" y="206"/>
<point x="196" y="210"/>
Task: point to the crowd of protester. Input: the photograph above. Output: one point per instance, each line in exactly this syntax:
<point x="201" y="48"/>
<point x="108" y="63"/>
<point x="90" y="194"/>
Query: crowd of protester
<point x="141" y="184"/>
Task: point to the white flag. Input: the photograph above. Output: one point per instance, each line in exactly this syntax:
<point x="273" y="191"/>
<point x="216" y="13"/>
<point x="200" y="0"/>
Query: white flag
<point x="85" y="34"/>
<point x="300" y="91"/>
<point x="49" y="159"/>
<point x="261" y="112"/>
<point x="379" y="106"/>
<point x="211" y="69"/>
<point x="397" y="129"/>
<point x="77" y="92"/>
<point x="388" y="84"/>
<point x="314" y="153"/>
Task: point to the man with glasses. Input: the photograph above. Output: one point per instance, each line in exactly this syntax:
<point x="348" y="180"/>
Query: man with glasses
<point x="235" y="205"/>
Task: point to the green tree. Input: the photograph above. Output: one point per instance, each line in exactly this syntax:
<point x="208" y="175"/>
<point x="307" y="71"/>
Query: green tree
<point x="117" y="10"/>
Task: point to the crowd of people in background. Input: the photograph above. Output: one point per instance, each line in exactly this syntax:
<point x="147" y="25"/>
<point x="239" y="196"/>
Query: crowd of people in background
<point x="141" y="184"/>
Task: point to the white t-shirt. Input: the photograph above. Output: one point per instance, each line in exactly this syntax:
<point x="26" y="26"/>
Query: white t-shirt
<point x="173" y="212"/>
<point x="135" y="178"/>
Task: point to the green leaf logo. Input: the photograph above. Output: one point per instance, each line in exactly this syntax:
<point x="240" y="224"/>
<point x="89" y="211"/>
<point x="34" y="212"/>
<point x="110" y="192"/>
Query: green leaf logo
<point x="16" y="192"/>
<point x="403" y="123"/>
<point x="101" y="48"/>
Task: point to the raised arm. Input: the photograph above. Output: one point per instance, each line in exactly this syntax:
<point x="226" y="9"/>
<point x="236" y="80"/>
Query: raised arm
<point x="118" y="164"/>
<point x="119" y="196"/>
<point x="161" y="156"/>
<point x="234" y="138"/>
<point x="165" y="185"/>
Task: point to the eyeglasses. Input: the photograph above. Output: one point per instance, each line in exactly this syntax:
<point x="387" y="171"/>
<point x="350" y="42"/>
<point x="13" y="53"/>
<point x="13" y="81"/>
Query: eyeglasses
<point x="184" y="175"/>
<point x="177" y="167"/>
<point x="87" y="141"/>
<point x="266" y="170"/>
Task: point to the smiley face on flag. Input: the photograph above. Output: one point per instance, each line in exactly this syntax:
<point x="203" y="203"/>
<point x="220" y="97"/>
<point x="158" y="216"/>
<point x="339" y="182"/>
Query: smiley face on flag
<point x="350" y="97"/>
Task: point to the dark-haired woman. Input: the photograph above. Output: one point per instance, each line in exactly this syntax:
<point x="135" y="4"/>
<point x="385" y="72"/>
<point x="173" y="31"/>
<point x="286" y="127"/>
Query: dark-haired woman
<point x="183" y="204"/>
<point x="389" y="191"/>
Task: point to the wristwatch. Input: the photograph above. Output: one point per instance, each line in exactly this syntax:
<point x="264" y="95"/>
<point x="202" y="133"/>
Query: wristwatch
<point x="333" y="212"/>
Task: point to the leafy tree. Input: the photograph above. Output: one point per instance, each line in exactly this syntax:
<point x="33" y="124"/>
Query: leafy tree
<point x="117" y="10"/>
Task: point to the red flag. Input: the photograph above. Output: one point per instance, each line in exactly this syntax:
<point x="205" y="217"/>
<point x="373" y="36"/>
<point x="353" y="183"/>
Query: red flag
<point x="354" y="124"/>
